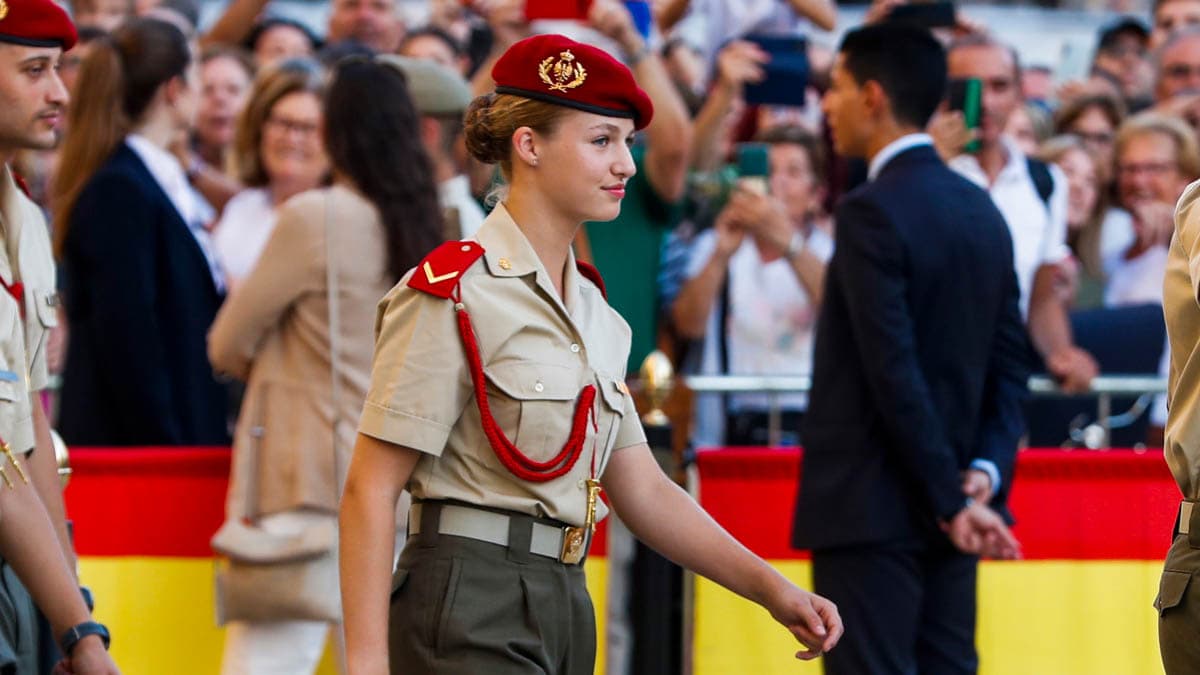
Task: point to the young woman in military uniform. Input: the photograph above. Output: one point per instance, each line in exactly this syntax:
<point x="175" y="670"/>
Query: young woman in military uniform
<point x="498" y="399"/>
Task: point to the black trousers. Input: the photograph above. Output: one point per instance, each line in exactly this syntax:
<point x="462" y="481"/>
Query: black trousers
<point x="908" y="608"/>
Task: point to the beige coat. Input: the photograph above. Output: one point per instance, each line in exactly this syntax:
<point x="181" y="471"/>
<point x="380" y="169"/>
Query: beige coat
<point x="273" y="332"/>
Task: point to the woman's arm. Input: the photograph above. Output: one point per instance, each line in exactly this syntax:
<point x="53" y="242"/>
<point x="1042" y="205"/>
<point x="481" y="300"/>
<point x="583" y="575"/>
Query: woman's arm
<point x="290" y="265"/>
<point x="667" y="519"/>
<point x="378" y="474"/>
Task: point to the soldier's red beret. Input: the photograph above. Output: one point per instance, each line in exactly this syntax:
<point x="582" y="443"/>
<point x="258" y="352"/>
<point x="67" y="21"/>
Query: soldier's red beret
<point x="556" y="69"/>
<point x="36" y="23"/>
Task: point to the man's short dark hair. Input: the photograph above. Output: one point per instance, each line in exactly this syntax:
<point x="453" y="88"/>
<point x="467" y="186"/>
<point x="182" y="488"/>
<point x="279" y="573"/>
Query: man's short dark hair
<point x="438" y="34"/>
<point x="908" y="63"/>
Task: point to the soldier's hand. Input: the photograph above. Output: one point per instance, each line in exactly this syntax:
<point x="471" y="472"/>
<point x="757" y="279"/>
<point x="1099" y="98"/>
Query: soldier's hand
<point x="812" y="619"/>
<point x="88" y="658"/>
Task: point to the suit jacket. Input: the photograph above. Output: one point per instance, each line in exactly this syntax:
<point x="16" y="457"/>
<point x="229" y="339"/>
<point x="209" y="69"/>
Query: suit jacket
<point x="140" y="298"/>
<point x="274" y="332"/>
<point x="919" y="359"/>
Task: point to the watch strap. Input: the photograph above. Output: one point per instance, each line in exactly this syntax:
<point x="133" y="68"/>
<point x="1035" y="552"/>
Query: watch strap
<point x="79" y="632"/>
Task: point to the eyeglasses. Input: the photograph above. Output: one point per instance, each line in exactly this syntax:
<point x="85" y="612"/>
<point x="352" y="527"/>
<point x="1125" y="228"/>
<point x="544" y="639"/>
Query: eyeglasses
<point x="1103" y="138"/>
<point x="1152" y="169"/>
<point x="283" y="125"/>
<point x="1180" y="71"/>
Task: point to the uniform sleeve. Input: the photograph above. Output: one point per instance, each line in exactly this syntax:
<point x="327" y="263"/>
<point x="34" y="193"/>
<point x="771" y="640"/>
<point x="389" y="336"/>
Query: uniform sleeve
<point x="1187" y="233"/>
<point x="1054" y="242"/>
<point x="630" y="432"/>
<point x="420" y="382"/>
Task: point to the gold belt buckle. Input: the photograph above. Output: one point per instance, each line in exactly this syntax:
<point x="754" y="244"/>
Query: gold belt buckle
<point x="573" y="546"/>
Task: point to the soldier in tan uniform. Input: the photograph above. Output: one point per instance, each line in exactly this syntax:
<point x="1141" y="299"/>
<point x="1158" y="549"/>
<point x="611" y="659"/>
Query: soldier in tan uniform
<point x="33" y="36"/>
<point x="498" y="399"/>
<point x="1178" y="601"/>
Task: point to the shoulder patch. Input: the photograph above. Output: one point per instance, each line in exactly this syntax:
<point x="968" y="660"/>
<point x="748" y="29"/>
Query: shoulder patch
<point x="592" y="274"/>
<point x="440" y="271"/>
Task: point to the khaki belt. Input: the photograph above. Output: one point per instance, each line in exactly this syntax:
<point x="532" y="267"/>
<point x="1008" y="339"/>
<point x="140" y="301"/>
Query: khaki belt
<point x="1185" y="516"/>
<point x="489" y="526"/>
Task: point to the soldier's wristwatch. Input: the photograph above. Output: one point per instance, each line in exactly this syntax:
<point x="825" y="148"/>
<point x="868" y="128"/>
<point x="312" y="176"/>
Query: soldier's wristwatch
<point x="77" y="633"/>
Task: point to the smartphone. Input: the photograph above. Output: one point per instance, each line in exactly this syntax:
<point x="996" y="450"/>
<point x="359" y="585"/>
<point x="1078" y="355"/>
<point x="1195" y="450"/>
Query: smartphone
<point x="786" y="79"/>
<point x="642" y="18"/>
<point x="925" y="14"/>
<point x="966" y="96"/>
<point x="557" y="9"/>
<point x="753" y="166"/>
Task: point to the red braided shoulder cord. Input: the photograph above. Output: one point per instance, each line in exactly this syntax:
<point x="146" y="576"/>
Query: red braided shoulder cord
<point x="519" y="464"/>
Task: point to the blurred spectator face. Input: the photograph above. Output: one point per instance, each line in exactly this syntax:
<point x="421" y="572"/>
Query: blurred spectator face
<point x="1096" y="131"/>
<point x="373" y="23"/>
<point x="1179" y="68"/>
<point x="279" y="43"/>
<point x="291" y="141"/>
<point x="433" y="48"/>
<point x="1125" y="58"/>
<point x="32" y="98"/>
<point x="1037" y="84"/>
<point x="1020" y="129"/>
<point x="993" y="64"/>
<point x="68" y="68"/>
<point x="1083" y="186"/>
<point x="224" y="86"/>
<point x="1171" y="16"/>
<point x="793" y="180"/>
<point x="1148" y="171"/>
<point x="106" y="14"/>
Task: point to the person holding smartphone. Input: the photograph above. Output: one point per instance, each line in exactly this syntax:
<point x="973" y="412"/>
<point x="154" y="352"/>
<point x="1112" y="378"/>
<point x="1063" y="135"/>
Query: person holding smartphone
<point x="754" y="287"/>
<point x="1032" y="196"/>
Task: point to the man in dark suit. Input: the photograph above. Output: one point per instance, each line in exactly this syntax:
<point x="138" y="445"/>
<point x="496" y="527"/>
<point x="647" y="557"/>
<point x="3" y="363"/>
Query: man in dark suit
<point x="919" y="375"/>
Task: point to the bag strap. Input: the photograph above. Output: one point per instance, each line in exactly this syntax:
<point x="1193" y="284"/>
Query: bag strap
<point x="335" y="315"/>
<point x="1042" y="180"/>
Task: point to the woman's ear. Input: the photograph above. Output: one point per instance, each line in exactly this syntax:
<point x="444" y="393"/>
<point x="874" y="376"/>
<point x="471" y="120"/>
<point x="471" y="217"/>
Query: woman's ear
<point x="525" y="146"/>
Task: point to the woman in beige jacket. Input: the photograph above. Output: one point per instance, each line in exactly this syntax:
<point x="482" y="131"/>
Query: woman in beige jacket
<point x="376" y="221"/>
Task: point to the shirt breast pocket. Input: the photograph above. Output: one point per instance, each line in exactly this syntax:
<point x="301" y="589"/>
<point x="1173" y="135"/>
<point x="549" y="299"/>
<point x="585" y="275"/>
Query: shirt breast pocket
<point x="536" y="400"/>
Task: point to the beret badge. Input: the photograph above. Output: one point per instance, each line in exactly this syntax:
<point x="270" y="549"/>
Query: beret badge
<point x="3" y="9"/>
<point x="563" y="74"/>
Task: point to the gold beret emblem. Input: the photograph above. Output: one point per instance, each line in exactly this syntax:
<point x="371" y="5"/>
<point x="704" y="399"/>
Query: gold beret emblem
<point x="560" y="74"/>
<point x="3" y="9"/>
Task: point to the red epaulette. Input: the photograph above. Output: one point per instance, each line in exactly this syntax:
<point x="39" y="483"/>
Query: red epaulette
<point x="438" y="274"/>
<point x="590" y="272"/>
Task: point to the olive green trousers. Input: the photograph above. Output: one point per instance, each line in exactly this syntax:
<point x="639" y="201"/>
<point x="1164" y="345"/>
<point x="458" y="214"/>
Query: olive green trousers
<point x="464" y="606"/>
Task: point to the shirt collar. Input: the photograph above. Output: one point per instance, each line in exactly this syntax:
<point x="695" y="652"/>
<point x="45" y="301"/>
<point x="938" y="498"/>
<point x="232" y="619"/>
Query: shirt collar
<point x="509" y="254"/>
<point x="1014" y="165"/>
<point x="891" y="150"/>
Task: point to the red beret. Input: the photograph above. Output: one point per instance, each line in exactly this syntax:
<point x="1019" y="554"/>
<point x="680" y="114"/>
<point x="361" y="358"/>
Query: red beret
<point x="36" y="23"/>
<point x="559" y="70"/>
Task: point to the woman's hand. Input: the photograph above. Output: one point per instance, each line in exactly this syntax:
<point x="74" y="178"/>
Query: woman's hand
<point x="811" y="618"/>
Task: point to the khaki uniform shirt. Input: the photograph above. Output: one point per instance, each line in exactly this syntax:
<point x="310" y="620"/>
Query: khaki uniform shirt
<point x="538" y="353"/>
<point x="25" y="257"/>
<point x="1181" y="307"/>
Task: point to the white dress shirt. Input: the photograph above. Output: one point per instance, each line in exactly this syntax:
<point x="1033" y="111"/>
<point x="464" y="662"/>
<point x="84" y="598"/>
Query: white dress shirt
<point x="195" y="212"/>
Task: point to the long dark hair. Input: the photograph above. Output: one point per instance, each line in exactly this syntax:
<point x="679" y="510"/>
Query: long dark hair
<point x="117" y="82"/>
<point x="371" y="134"/>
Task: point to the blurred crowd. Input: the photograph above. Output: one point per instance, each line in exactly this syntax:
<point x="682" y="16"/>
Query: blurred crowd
<point x="720" y="250"/>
